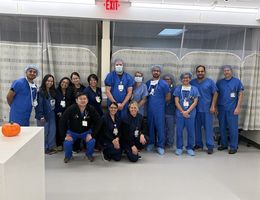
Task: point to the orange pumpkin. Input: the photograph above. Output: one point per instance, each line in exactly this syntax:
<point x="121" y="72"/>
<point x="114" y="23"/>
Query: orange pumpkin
<point x="11" y="129"/>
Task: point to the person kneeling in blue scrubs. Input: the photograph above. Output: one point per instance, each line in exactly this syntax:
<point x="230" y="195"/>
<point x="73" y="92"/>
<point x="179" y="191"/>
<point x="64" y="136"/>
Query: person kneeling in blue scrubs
<point x="229" y="102"/>
<point x="132" y="127"/>
<point x="80" y="120"/>
<point x="186" y="99"/>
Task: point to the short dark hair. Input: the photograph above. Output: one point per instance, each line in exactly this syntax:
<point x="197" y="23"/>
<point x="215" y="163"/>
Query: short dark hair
<point x="74" y="73"/>
<point x="113" y="103"/>
<point x="94" y="76"/>
<point x="200" y="66"/>
<point x="81" y="94"/>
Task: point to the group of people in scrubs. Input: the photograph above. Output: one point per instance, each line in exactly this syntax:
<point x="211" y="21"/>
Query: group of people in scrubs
<point x="74" y="120"/>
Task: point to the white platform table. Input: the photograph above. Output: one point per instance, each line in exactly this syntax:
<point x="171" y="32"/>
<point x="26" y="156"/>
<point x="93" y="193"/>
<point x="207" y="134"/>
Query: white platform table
<point x="22" y="165"/>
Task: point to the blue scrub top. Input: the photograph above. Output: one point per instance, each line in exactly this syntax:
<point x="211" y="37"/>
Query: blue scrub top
<point x="113" y="80"/>
<point x="92" y="95"/>
<point x="157" y="100"/>
<point x="138" y="94"/>
<point x="22" y="103"/>
<point x="228" y="93"/>
<point x="170" y="106"/>
<point x="189" y="96"/>
<point x="206" y="88"/>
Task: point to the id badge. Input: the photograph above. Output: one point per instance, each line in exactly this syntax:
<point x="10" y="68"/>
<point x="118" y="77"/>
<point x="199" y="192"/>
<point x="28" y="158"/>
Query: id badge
<point x="52" y="102"/>
<point x="136" y="133"/>
<point x="84" y="123"/>
<point x="115" y="131"/>
<point x="232" y="94"/>
<point x="35" y="103"/>
<point x="186" y="103"/>
<point x="120" y="87"/>
<point x="98" y="99"/>
<point x="63" y="103"/>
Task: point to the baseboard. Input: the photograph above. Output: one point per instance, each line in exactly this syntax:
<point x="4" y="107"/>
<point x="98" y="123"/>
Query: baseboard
<point x="249" y="142"/>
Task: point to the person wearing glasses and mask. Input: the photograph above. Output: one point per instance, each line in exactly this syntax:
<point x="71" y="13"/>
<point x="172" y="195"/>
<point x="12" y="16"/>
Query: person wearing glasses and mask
<point x="22" y="96"/>
<point x="110" y="134"/>
<point x="159" y="93"/>
<point x="186" y="99"/>
<point x="205" y="108"/>
<point x="119" y="87"/>
<point x="140" y="92"/>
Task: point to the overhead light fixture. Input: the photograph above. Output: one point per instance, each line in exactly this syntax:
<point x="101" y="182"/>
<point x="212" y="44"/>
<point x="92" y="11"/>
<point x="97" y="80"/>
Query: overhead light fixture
<point x="171" y="32"/>
<point x="65" y="1"/>
<point x="201" y="8"/>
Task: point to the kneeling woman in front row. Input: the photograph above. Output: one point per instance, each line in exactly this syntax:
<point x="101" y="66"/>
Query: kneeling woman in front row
<point x="133" y="137"/>
<point x="110" y="134"/>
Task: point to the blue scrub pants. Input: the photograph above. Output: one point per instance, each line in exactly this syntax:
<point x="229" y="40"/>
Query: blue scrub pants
<point x="49" y="131"/>
<point x="156" y="123"/>
<point x="69" y="144"/>
<point x="132" y="157"/>
<point x="204" y="119"/>
<point x="110" y="152"/>
<point x="227" y="119"/>
<point x="181" y="123"/>
<point x="169" y="130"/>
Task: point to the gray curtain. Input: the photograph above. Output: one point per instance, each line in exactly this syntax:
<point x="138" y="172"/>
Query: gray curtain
<point x="57" y="46"/>
<point x="140" y="46"/>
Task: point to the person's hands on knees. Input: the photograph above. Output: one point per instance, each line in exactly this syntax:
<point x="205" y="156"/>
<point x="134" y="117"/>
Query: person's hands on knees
<point x="68" y="137"/>
<point x="116" y="143"/>
<point x="134" y="150"/>
<point x="88" y="137"/>
<point x="142" y="139"/>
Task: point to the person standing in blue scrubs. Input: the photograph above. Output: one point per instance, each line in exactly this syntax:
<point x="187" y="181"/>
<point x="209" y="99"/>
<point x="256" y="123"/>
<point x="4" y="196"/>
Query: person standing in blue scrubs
<point x="140" y="92"/>
<point x="94" y="93"/>
<point x="45" y="112"/>
<point x="186" y="99"/>
<point x="229" y="103"/>
<point x="22" y="96"/>
<point x="159" y="93"/>
<point x="206" y="107"/>
<point x="119" y="87"/>
<point x="169" y="114"/>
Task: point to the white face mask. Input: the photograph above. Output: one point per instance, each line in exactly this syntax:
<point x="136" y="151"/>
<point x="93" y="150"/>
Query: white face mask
<point x="119" y="68"/>
<point x="138" y="79"/>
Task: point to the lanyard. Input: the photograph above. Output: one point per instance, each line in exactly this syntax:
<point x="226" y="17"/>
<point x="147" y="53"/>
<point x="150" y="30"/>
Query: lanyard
<point x="31" y="91"/>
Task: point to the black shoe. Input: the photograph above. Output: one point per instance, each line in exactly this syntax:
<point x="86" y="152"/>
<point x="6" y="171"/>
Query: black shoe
<point x="66" y="160"/>
<point x="105" y="157"/>
<point x="90" y="158"/>
<point x="221" y="148"/>
<point x="232" y="151"/>
<point x="197" y="147"/>
<point x="139" y="157"/>
<point x="52" y="151"/>
<point x="210" y="151"/>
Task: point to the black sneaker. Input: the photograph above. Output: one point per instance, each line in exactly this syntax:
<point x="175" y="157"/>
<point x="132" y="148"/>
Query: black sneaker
<point x="139" y="157"/>
<point x="210" y="151"/>
<point x="90" y="158"/>
<point x="197" y="147"/>
<point x="232" y="151"/>
<point x="52" y="151"/>
<point x="66" y="160"/>
<point x="221" y="148"/>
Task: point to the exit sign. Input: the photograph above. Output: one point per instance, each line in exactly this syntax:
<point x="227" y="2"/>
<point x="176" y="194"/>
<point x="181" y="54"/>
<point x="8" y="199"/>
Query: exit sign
<point x="111" y="4"/>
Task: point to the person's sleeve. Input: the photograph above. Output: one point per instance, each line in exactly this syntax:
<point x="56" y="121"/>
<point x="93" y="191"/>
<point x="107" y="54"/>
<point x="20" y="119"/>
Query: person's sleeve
<point x="109" y="80"/>
<point x="166" y="88"/>
<point x="213" y="87"/>
<point x="103" y="131"/>
<point x="130" y="81"/>
<point x="124" y="134"/>
<point x="241" y="87"/>
<point x="145" y="92"/>
<point x="196" y="92"/>
<point x="16" y="86"/>
<point x="39" y="109"/>
<point x="95" y="119"/>
<point x="64" y="121"/>
<point x="176" y="92"/>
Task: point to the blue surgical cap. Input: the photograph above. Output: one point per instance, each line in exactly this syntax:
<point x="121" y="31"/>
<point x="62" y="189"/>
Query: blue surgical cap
<point x="227" y="67"/>
<point x="159" y="67"/>
<point x="185" y="74"/>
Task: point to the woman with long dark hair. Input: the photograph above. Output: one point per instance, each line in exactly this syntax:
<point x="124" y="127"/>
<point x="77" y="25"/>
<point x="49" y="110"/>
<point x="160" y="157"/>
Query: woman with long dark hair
<point x="63" y="101"/>
<point x="45" y="114"/>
